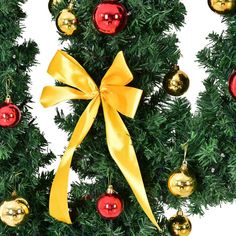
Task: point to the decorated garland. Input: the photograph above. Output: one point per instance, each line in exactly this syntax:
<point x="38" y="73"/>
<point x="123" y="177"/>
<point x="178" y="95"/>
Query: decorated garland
<point x="162" y="128"/>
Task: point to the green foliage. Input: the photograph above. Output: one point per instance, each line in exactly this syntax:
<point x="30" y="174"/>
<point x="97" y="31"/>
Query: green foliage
<point x="23" y="149"/>
<point x="161" y="124"/>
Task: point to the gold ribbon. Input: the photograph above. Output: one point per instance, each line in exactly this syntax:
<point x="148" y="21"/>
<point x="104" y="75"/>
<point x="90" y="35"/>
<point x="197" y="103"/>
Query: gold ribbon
<point x="115" y="97"/>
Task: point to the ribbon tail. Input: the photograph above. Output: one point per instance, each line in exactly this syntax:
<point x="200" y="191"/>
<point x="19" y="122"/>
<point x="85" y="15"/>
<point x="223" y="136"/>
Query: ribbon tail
<point x="122" y="151"/>
<point x="58" y="203"/>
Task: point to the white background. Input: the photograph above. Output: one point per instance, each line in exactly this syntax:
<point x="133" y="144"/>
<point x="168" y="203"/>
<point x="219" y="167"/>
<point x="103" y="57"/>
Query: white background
<point x="199" y="22"/>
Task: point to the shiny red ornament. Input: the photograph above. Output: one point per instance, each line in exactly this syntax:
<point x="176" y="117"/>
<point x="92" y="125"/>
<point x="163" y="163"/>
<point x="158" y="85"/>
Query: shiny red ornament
<point x="232" y="84"/>
<point x="110" y="17"/>
<point x="10" y="114"/>
<point x="110" y="204"/>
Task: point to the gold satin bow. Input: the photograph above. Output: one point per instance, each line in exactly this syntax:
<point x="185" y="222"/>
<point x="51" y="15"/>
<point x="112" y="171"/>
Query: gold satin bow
<point x="115" y="97"/>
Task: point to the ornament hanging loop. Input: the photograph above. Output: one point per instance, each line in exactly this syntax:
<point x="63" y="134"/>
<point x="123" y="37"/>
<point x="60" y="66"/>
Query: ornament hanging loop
<point x="8" y="88"/>
<point x="71" y="5"/>
<point x="110" y="175"/>
<point x="110" y="189"/>
<point x="185" y="148"/>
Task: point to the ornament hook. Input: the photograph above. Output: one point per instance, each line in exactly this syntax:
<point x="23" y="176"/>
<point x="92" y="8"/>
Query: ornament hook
<point x="8" y="87"/>
<point x="110" y="175"/>
<point x="185" y="148"/>
<point x="71" y="5"/>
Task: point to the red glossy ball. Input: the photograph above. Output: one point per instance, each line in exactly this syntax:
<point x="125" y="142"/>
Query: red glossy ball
<point x="232" y="84"/>
<point x="110" y="206"/>
<point x="10" y="114"/>
<point x="110" y="17"/>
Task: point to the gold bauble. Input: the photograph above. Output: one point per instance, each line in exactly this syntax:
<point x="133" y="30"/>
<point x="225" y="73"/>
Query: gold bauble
<point x="179" y="225"/>
<point x="182" y="183"/>
<point x="176" y="82"/>
<point x="222" y="6"/>
<point x="14" y="212"/>
<point x="66" y="22"/>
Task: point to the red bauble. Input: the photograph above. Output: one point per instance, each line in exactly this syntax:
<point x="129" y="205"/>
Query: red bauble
<point x="10" y="114"/>
<point x="110" y="17"/>
<point x="110" y="204"/>
<point x="232" y="84"/>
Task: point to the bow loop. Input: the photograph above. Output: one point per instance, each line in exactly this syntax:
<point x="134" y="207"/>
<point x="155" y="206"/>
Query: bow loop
<point x="67" y="70"/>
<point x="119" y="73"/>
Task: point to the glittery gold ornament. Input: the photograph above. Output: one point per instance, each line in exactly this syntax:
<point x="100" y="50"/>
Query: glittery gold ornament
<point x="176" y="82"/>
<point x="179" y="225"/>
<point x="182" y="183"/>
<point x="52" y="3"/>
<point x="66" y="22"/>
<point x="14" y="212"/>
<point x="222" y="6"/>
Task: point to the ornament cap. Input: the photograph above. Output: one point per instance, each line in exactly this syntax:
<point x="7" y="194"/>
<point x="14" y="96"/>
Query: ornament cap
<point x="175" y="67"/>
<point x="184" y="166"/>
<point x="14" y="194"/>
<point x="110" y="190"/>
<point x="8" y="100"/>
<point x="180" y="213"/>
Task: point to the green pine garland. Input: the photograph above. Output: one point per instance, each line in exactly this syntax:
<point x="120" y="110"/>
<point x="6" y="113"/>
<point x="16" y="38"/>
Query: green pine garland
<point x="23" y="149"/>
<point x="161" y="124"/>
